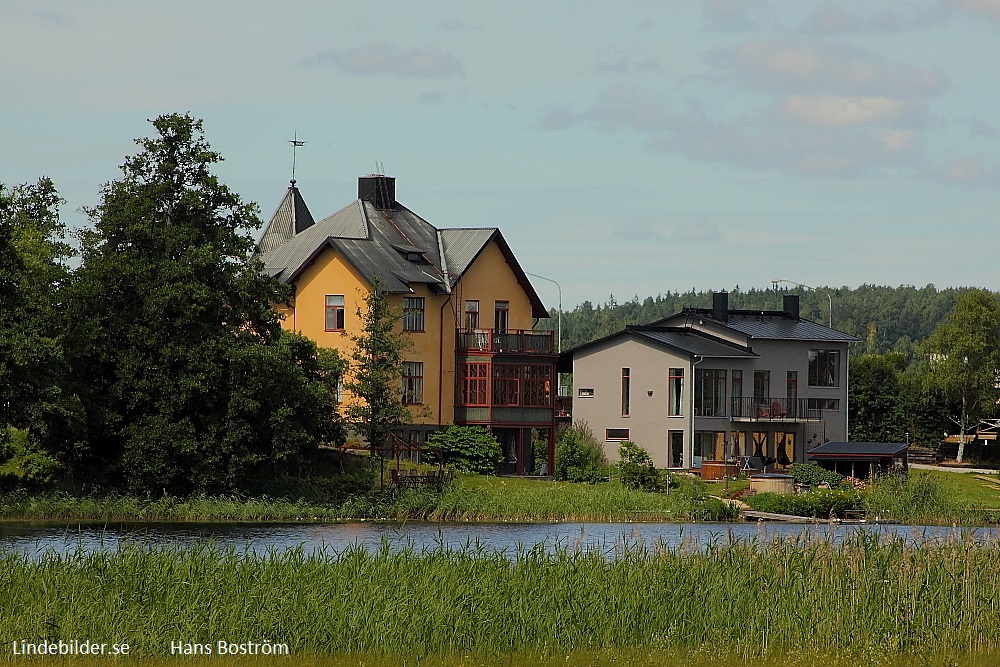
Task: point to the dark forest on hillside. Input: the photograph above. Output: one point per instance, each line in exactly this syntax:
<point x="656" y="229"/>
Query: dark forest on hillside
<point x="886" y="319"/>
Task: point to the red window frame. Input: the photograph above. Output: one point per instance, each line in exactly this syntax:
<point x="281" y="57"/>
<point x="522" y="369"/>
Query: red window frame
<point x="474" y="384"/>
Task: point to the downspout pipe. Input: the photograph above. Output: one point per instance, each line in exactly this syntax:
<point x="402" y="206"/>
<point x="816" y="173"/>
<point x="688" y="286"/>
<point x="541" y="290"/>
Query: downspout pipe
<point x="699" y="359"/>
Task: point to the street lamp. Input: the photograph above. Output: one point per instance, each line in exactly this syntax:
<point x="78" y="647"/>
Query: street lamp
<point x="559" y="319"/>
<point x="815" y="289"/>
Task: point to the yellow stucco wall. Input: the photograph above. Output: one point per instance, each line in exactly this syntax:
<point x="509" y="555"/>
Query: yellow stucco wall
<point x="488" y="279"/>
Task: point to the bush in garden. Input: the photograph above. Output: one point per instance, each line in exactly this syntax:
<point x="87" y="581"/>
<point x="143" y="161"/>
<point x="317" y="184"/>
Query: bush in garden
<point x="469" y="448"/>
<point x="579" y="457"/>
<point x="637" y="470"/>
<point x="821" y="504"/>
<point x="812" y="474"/>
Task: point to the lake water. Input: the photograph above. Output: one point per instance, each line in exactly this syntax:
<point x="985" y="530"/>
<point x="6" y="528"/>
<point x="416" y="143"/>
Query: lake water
<point x="610" y="539"/>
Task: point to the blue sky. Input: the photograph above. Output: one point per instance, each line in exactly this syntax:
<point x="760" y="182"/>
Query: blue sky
<point x="627" y="149"/>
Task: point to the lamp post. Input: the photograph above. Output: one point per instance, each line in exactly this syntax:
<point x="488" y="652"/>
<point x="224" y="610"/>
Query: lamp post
<point x="815" y="289"/>
<point x="559" y="318"/>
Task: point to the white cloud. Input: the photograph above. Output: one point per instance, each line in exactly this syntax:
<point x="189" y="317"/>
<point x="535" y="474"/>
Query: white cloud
<point x="988" y="8"/>
<point x="963" y="169"/>
<point x="846" y="151"/>
<point x="842" y="111"/>
<point x="384" y="58"/>
<point x="732" y="15"/>
<point x="797" y="66"/>
<point x="637" y="232"/>
<point x="431" y="97"/>
<point x="829" y="19"/>
<point x="701" y="231"/>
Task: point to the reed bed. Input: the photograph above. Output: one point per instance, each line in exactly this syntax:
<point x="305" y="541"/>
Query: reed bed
<point x="868" y="598"/>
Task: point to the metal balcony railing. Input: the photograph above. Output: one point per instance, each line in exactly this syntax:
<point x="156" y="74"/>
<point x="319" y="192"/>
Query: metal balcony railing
<point x="519" y="341"/>
<point x="774" y="409"/>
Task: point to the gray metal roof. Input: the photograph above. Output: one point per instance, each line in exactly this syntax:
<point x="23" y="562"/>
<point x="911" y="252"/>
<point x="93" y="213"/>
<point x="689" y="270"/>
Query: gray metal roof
<point x="377" y="242"/>
<point x="291" y="217"/>
<point x="694" y="343"/>
<point x="781" y="327"/>
<point x="462" y="245"/>
<point x="857" y="450"/>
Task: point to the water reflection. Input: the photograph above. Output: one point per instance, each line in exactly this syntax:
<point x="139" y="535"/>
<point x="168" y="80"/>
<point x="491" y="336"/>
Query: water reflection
<point x="611" y="539"/>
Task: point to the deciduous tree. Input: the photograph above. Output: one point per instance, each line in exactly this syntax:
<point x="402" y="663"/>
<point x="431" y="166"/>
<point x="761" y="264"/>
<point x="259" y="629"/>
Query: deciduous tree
<point x="964" y="352"/>
<point x="188" y="382"/>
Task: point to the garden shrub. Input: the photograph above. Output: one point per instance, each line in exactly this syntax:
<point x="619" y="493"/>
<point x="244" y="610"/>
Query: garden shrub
<point x="468" y="448"/>
<point x="579" y="457"/>
<point x="812" y="474"/>
<point x="637" y="470"/>
<point x="914" y="497"/>
<point x="819" y="504"/>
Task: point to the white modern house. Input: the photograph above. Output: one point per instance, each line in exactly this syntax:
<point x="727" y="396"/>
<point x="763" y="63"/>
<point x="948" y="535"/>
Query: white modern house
<point x="715" y="384"/>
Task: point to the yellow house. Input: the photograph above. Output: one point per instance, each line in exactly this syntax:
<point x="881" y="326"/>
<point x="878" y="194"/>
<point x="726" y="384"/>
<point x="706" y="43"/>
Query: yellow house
<point x="467" y="307"/>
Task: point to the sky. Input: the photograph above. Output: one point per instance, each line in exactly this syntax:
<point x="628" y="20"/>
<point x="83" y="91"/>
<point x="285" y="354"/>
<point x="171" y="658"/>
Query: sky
<point x="623" y="149"/>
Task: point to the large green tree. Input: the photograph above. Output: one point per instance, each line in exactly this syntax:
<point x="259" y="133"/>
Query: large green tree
<point x="964" y="351"/>
<point x="33" y="269"/>
<point x="875" y="398"/>
<point x="188" y="382"/>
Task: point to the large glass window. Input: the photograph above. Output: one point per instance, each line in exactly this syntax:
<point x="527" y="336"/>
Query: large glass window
<point x="472" y="388"/>
<point x="506" y="384"/>
<point x="413" y="313"/>
<point x="675" y="449"/>
<point x="500" y="311"/>
<point x="762" y="385"/>
<point x="676" y="392"/>
<point x="737" y="393"/>
<point x="413" y="382"/>
<point x="626" y="389"/>
<point x="471" y="315"/>
<point x="824" y="368"/>
<point x="334" y="312"/>
<point x="710" y="392"/>
<point x="537" y="386"/>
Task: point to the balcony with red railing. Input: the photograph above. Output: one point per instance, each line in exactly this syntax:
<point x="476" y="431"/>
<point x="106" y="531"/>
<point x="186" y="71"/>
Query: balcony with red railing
<point x="509" y="342"/>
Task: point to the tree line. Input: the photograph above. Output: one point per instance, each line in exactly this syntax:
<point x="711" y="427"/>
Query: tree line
<point x="157" y="364"/>
<point x="886" y="319"/>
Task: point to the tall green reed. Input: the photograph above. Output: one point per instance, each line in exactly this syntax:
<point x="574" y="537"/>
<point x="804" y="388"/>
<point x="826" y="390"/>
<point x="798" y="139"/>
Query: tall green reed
<point x="867" y="596"/>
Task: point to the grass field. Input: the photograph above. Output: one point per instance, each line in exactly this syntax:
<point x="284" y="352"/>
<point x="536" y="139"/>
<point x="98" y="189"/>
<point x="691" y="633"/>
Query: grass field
<point x="631" y="657"/>
<point x="468" y="498"/>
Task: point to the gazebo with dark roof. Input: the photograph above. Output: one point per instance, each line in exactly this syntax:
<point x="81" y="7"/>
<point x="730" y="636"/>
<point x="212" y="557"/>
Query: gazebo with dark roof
<point x="860" y="459"/>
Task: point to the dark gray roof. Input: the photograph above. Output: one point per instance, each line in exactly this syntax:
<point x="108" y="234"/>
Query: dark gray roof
<point x="693" y="342"/>
<point x="782" y="327"/>
<point x="376" y="243"/>
<point x="768" y="324"/>
<point x="856" y="450"/>
<point x="291" y="217"/>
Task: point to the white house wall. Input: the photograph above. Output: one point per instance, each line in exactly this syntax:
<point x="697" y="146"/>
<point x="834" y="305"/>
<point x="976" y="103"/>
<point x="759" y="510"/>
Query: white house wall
<point x="600" y="368"/>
